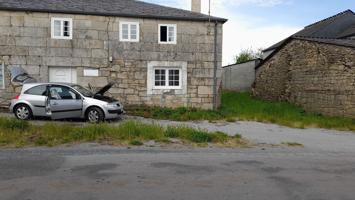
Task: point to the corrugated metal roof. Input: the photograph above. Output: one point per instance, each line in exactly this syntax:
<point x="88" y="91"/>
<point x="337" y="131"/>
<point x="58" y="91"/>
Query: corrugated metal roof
<point x="120" y="8"/>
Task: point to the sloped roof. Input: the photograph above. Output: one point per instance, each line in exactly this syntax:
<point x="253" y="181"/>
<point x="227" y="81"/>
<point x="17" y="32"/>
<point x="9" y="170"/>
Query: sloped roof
<point x="120" y="8"/>
<point x="339" y="42"/>
<point x="333" y="28"/>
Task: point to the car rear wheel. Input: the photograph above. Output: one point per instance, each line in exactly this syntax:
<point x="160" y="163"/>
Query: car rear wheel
<point x="23" y="112"/>
<point x="95" y="115"/>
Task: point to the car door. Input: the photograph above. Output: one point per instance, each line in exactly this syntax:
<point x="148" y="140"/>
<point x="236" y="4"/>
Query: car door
<point x="37" y="97"/>
<point x="64" y="102"/>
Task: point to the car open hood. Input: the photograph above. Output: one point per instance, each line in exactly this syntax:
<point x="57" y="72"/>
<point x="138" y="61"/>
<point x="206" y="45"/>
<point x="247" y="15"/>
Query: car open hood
<point x="20" y="76"/>
<point x="103" y="90"/>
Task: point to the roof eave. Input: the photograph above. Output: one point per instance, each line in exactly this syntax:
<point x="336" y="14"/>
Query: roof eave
<point x="213" y="19"/>
<point x="276" y="50"/>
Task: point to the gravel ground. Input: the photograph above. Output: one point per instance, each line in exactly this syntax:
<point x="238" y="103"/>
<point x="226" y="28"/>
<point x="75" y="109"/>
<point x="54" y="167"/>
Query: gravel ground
<point x="315" y="139"/>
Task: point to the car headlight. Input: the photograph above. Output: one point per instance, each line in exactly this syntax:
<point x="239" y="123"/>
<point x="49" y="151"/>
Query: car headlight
<point x="112" y="106"/>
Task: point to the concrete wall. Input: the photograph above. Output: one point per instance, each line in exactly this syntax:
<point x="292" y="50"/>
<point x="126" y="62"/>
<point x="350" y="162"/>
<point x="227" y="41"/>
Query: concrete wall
<point x="318" y="77"/>
<point x="25" y="40"/>
<point x="239" y="77"/>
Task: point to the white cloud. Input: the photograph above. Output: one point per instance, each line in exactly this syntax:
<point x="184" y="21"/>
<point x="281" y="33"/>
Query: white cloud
<point x="238" y="36"/>
<point x="245" y="32"/>
<point x="241" y="31"/>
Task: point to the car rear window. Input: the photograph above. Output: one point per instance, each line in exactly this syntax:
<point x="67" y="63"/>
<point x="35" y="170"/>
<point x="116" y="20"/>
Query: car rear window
<point x="37" y="90"/>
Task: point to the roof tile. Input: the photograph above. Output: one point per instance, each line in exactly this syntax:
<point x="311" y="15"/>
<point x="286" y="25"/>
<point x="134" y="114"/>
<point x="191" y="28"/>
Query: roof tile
<point x="121" y="8"/>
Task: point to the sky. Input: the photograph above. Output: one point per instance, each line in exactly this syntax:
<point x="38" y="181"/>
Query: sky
<point x="255" y="24"/>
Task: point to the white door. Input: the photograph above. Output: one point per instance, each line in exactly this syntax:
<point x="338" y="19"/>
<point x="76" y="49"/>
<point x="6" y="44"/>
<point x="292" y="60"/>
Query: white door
<point x="62" y="75"/>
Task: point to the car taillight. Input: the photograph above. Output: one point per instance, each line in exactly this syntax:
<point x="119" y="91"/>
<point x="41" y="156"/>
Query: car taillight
<point x="17" y="97"/>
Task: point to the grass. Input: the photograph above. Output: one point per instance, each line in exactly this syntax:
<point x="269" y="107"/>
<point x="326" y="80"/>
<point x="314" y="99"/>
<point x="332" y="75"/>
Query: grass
<point x="16" y="133"/>
<point x="242" y="106"/>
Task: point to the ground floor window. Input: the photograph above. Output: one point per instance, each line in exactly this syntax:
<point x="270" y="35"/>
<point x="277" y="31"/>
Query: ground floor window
<point x="166" y="75"/>
<point x="2" y="76"/>
<point x="167" y="78"/>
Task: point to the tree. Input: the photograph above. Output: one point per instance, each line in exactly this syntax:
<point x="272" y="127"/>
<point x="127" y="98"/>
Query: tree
<point x="247" y="55"/>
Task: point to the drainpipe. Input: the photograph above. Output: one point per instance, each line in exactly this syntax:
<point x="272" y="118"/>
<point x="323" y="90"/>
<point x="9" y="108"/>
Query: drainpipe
<point x="215" y="89"/>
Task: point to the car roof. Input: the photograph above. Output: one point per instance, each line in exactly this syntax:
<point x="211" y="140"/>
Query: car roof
<point x="27" y="86"/>
<point x="36" y="84"/>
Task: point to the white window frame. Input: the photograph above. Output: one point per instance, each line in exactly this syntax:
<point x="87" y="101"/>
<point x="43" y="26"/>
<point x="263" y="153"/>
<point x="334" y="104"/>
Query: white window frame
<point x="167" y="87"/>
<point x="167" y="32"/>
<point x="70" y="20"/>
<point x="129" y="32"/>
<point x="3" y="75"/>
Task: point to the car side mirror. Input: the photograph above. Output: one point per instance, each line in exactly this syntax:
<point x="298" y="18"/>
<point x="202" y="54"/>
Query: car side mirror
<point x="78" y="97"/>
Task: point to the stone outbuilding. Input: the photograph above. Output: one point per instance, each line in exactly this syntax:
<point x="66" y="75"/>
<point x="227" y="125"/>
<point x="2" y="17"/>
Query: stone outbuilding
<point x="155" y="55"/>
<point x="314" y="68"/>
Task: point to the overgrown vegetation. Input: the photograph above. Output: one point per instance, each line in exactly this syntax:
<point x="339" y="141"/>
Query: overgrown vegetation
<point x="247" y="55"/>
<point x="242" y="106"/>
<point x="16" y="133"/>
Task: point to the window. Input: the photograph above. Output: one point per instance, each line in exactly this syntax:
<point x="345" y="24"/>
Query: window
<point x="62" y="93"/>
<point x="167" y="78"/>
<point x="129" y="31"/>
<point x="167" y="34"/>
<point x="160" y="77"/>
<point x="2" y="76"/>
<point x="166" y="75"/>
<point x="62" y="28"/>
<point x="38" y="90"/>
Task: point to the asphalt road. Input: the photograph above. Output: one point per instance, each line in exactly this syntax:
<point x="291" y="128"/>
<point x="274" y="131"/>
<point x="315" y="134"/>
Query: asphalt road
<point x="94" y="172"/>
<point x="323" y="170"/>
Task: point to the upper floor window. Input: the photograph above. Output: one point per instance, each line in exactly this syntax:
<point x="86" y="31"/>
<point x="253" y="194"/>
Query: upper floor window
<point x="167" y="33"/>
<point x="62" y="28"/>
<point x="129" y="31"/>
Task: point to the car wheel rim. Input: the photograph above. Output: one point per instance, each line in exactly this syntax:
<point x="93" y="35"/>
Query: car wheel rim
<point x="22" y="112"/>
<point x="93" y="116"/>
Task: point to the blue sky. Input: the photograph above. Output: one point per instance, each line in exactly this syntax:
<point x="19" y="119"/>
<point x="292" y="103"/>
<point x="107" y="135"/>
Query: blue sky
<point x="260" y="23"/>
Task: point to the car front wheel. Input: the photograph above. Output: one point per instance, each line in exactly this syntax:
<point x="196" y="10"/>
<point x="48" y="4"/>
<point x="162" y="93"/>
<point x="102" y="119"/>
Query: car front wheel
<point x="23" y="112"/>
<point x="95" y="115"/>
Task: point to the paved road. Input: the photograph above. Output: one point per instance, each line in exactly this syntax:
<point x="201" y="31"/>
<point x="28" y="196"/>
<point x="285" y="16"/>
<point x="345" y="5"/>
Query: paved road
<point x="323" y="169"/>
<point x="94" y="172"/>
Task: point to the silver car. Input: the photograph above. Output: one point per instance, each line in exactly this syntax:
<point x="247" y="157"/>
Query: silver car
<point x="59" y="101"/>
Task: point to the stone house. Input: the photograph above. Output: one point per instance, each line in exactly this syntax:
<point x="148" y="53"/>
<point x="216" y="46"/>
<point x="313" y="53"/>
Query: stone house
<point x="155" y="55"/>
<point x="314" y="68"/>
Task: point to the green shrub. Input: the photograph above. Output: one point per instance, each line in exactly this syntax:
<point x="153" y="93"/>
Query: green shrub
<point x="136" y="143"/>
<point x="238" y="136"/>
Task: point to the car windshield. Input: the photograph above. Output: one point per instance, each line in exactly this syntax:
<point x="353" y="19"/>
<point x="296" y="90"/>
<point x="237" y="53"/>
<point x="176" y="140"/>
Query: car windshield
<point x="83" y="91"/>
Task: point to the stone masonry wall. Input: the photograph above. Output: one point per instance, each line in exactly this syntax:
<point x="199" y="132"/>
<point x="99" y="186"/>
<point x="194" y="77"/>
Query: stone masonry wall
<point x="25" y="40"/>
<point x="318" y="77"/>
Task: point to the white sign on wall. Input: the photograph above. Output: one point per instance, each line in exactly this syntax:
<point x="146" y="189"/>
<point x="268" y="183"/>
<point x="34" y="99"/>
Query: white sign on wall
<point x="91" y="72"/>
